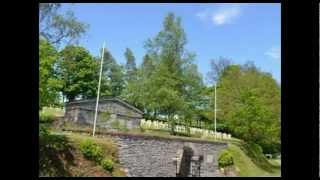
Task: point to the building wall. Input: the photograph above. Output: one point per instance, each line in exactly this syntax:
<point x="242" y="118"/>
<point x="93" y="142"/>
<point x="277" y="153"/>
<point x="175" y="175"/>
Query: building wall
<point x="109" y="113"/>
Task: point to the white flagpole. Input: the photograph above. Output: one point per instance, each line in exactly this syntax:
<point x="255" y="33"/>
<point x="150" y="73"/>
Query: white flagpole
<point x="98" y="93"/>
<point x="215" y="111"/>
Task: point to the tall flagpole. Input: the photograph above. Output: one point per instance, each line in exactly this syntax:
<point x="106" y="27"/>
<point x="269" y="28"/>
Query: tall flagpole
<point x="215" y="111"/>
<point x="98" y="93"/>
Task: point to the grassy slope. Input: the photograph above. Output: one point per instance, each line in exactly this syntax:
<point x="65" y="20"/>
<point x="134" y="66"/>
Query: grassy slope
<point x="246" y="166"/>
<point x="109" y="149"/>
<point x="68" y="160"/>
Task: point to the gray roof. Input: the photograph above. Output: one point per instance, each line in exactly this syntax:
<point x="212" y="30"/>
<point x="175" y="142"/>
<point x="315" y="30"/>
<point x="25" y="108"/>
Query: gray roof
<point x="106" y="99"/>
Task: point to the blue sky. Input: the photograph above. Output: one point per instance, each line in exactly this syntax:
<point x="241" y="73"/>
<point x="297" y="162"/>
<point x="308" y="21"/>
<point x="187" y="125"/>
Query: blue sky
<point x="240" y="32"/>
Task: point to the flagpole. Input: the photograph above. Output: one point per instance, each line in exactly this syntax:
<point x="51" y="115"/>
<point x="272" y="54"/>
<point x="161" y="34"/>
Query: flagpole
<point x="98" y="93"/>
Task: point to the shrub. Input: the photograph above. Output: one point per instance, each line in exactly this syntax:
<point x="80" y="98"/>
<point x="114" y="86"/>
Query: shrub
<point x="91" y="150"/>
<point x="107" y="164"/>
<point x="225" y="159"/>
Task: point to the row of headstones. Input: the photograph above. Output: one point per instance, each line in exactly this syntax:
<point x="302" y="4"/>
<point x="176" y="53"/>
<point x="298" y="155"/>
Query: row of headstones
<point x="148" y="124"/>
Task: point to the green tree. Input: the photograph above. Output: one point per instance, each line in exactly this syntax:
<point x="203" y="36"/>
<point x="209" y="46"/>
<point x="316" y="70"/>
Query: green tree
<point x="49" y="84"/>
<point x="166" y="82"/>
<point x="79" y="72"/>
<point x="114" y="74"/>
<point x="139" y="91"/>
<point x="56" y="27"/>
<point x="249" y="104"/>
<point x="130" y="67"/>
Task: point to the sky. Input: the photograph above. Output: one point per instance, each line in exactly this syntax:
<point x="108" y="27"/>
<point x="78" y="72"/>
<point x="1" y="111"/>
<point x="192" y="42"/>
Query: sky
<point x="240" y="32"/>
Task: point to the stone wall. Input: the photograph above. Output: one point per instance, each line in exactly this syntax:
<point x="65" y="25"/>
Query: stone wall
<point x="153" y="157"/>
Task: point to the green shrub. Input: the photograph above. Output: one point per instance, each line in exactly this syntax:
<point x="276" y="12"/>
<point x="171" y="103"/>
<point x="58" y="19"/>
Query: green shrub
<point x="225" y="159"/>
<point x="107" y="164"/>
<point x="91" y="150"/>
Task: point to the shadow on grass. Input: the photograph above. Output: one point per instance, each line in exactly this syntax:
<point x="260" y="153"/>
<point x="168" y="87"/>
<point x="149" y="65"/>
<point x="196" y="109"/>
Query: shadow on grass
<point x="55" y="155"/>
<point x="255" y="153"/>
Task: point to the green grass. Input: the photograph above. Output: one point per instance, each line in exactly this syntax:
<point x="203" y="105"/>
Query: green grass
<point x="60" y="155"/>
<point x="50" y="111"/>
<point x="246" y="167"/>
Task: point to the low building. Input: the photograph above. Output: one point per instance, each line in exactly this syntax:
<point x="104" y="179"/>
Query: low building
<point x="113" y="113"/>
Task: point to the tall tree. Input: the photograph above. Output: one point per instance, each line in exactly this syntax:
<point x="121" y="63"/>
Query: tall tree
<point x="49" y="84"/>
<point x="168" y="52"/>
<point x="217" y="67"/>
<point x="78" y="71"/>
<point x="114" y="74"/>
<point x="130" y="67"/>
<point x="249" y="104"/>
<point x="56" y="27"/>
<point x="139" y="90"/>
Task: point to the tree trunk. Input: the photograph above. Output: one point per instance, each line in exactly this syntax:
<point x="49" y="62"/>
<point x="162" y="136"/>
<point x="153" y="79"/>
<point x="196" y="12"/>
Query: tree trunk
<point x="155" y="115"/>
<point x="173" y="124"/>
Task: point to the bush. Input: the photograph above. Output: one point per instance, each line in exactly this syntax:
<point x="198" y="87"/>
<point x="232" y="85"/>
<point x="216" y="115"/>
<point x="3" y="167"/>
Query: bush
<point x="107" y="164"/>
<point x="225" y="159"/>
<point x="91" y="150"/>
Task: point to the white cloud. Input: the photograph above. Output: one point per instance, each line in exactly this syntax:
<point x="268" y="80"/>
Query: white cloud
<point x="226" y="15"/>
<point x="274" y="52"/>
<point x="223" y="15"/>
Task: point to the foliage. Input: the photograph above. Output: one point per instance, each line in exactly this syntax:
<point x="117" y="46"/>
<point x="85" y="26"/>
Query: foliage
<point x="165" y="85"/>
<point x="78" y="71"/>
<point x="130" y="67"/>
<point x="56" y="27"/>
<point x="225" y="159"/>
<point x="51" y="148"/>
<point x="91" y="150"/>
<point x="249" y="105"/>
<point x="113" y="73"/>
<point x="48" y="81"/>
<point x="107" y="164"/>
